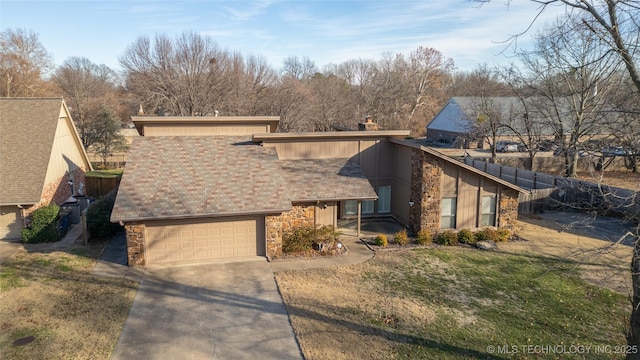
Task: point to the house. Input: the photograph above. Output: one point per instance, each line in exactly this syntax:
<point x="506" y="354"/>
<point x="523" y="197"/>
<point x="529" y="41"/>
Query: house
<point x="42" y="159"/>
<point x="195" y="198"/>
<point x="457" y="120"/>
<point x="460" y="116"/>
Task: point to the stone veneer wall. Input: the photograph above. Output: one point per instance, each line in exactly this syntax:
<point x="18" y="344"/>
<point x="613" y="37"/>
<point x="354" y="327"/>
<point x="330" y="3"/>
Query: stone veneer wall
<point x="426" y="185"/>
<point x="508" y="209"/>
<point x="426" y="178"/>
<point x="135" y="243"/>
<point x="276" y="225"/>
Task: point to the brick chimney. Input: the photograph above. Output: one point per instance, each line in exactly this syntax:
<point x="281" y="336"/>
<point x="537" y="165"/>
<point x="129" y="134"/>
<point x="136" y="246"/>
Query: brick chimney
<point x="368" y="124"/>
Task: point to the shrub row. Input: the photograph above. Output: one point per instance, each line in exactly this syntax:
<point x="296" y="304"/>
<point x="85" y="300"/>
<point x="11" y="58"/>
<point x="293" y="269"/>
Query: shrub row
<point x="447" y="237"/>
<point x="45" y="225"/>
<point x="400" y="238"/>
<point x="466" y="236"/>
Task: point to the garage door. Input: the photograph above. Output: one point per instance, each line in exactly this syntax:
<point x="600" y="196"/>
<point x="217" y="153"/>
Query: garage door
<point x="204" y="239"/>
<point x="10" y="222"/>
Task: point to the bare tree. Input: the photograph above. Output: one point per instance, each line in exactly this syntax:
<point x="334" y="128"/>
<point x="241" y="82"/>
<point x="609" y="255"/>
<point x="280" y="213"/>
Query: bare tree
<point x="87" y="88"/>
<point x="475" y="83"/>
<point x="528" y="125"/>
<point x="407" y="91"/>
<point x="291" y="99"/>
<point x="332" y="103"/>
<point x="192" y="76"/>
<point x="299" y="68"/>
<point x="180" y="77"/>
<point x="359" y="75"/>
<point x="492" y="112"/>
<point x="615" y="23"/>
<point x="23" y="62"/>
<point x="625" y="107"/>
<point x="572" y="76"/>
<point x="248" y="83"/>
<point x="428" y="79"/>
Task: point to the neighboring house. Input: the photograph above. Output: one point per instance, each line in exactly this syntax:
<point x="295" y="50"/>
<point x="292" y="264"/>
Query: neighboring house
<point x="42" y="158"/>
<point x="185" y="198"/>
<point x="460" y="116"/>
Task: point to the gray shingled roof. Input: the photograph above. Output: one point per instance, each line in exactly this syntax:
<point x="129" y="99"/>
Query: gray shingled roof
<point x="185" y="177"/>
<point x="326" y="179"/>
<point x="511" y="111"/>
<point x="27" y="130"/>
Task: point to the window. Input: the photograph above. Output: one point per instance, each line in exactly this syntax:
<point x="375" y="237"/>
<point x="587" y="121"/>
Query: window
<point x="351" y="207"/>
<point x="384" y="199"/>
<point x="367" y="206"/>
<point x="488" y="211"/>
<point x="448" y="217"/>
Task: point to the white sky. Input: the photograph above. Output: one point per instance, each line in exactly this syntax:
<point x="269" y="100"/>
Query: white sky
<point x="325" y="31"/>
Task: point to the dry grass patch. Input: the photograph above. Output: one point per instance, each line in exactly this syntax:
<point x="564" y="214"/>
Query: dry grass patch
<point x="622" y="179"/>
<point x="314" y="300"/>
<point x="453" y="302"/>
<point x="602" y="263"/>
<point x="52" y="302"/>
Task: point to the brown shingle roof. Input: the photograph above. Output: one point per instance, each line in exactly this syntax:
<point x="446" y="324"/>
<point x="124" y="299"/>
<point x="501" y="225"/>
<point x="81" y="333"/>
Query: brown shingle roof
<point x="183" y="177"/>
<point x="27" y="130"/>
<point x="326" y="179"/>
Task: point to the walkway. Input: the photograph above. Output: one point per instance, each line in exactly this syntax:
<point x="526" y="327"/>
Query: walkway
<point x="70" y="239"/>
<point x="357" y="253"/>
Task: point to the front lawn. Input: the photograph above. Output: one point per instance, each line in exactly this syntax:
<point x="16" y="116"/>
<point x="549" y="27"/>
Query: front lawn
<point x="458" y="303"/>
<point x="52" y="307"/>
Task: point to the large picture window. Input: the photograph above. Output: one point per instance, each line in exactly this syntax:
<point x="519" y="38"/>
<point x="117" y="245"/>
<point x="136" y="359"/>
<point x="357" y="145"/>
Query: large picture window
<point x="351" y="207"/>
<point x="367" y="206"/>
<point x="448" y="217"/>
<point x="488" y="211"/>
<point x="384" y="199"/>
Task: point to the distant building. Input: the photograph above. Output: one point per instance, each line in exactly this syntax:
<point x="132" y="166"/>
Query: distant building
<point x="458" y="119"/>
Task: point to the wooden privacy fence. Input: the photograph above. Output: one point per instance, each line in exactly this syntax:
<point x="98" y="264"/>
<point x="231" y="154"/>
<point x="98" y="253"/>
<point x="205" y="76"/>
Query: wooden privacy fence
<point x="535" y="202"/>
<point x="550" y="192"/>
<point x="100" y="186"/>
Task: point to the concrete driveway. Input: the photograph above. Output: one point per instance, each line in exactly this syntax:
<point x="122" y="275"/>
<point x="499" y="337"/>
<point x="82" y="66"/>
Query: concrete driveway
<point x="214" y="311"/>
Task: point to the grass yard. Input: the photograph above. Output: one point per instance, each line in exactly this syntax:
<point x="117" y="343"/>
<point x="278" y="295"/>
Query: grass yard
<point x="457" y="302"/>
<point x="111" y="173"/>
<point x="50" y="303"/>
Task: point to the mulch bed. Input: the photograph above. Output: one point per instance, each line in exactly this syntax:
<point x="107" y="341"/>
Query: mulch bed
<point x="331" y="251"/>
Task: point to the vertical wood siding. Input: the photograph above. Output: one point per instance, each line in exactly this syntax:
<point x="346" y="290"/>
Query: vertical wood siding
<point x="401" y="183"/>
<point x="328" y="216"/>
<point x="203" y="129"/>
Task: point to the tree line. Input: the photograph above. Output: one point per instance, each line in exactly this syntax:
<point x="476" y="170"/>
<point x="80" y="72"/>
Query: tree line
<point x="572" y="81"/>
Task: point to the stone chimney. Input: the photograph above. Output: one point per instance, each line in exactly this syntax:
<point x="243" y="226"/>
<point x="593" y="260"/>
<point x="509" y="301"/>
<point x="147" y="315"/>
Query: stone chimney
<point x="368" y="124"/>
